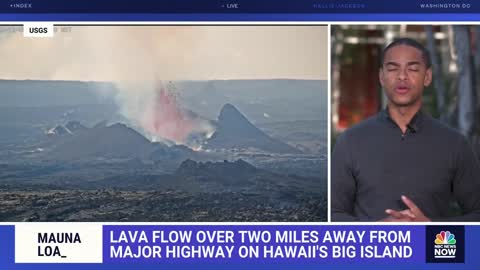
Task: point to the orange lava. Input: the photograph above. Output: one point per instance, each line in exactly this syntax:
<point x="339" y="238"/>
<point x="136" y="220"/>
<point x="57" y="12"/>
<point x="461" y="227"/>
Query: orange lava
<point x="166" y="119"/>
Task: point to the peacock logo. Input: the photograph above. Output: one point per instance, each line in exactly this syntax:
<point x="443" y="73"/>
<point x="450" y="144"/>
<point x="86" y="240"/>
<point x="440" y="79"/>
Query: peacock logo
<point x="445" y="238"/>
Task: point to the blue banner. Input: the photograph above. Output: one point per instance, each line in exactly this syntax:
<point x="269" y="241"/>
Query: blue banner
<point x="243" y="17"/>
<point x="240" y="6"/>
<point x="259" y="246"/>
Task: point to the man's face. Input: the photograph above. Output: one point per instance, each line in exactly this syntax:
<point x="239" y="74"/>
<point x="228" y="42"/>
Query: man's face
<point x="404" y="74"/>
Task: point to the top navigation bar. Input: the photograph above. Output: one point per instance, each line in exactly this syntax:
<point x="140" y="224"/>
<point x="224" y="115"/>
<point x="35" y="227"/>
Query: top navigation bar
<point x="238" y="6"/>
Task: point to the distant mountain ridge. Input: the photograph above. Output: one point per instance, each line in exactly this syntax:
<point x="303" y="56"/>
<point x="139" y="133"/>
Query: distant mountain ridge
<point x="254" y="97"/>
<point x="41" y="93"/>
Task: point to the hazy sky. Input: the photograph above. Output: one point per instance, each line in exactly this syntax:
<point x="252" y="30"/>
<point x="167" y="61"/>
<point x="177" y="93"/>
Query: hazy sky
<point x="113" y="53"/>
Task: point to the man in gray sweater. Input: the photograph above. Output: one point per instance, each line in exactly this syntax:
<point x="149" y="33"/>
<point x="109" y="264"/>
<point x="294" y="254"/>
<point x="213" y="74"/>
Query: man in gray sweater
<point x="401" y="164"/>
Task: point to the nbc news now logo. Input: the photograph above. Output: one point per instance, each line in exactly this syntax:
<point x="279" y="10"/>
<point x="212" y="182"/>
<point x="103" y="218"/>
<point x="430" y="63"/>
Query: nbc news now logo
<point x="445" y="245"/>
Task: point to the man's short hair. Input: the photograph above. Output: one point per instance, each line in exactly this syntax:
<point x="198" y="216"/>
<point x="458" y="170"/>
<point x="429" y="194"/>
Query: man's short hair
<point x="409" y="42"/>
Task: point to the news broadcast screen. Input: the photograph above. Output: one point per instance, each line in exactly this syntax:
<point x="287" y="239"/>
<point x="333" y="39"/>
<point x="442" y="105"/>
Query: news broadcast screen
<point x="239" y="135"/>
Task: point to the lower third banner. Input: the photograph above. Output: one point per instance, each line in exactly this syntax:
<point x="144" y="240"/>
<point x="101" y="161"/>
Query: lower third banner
<point x="236" y="246"/>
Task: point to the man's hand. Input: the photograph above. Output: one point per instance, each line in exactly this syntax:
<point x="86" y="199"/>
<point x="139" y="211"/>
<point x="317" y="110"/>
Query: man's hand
<point x="417" y="213"/>
<point x="398" y="216"/>
<point x="413" y="213"/>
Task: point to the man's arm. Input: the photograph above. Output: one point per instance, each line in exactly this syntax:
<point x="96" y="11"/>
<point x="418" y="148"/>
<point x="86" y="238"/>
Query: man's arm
<point x="466" y="184"/>
<point x="343" y="182"/>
